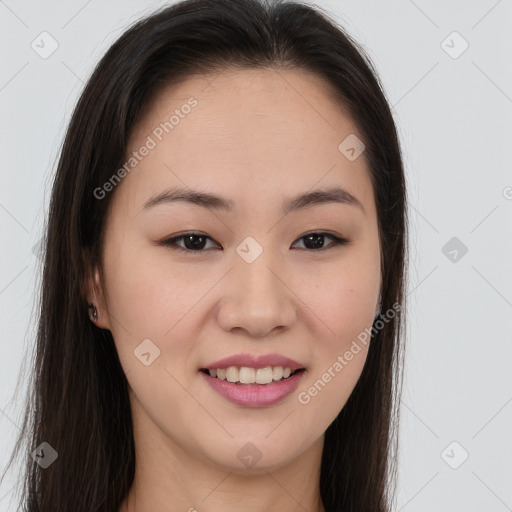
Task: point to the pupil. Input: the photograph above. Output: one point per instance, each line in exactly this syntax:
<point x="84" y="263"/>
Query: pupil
<point x="195" y="246"/>
<point x="316" y="242"/>
<point x="313" y="241"/>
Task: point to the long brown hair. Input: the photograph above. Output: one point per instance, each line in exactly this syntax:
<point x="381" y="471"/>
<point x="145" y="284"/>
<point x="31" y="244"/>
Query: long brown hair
<point x="78" y="394"/>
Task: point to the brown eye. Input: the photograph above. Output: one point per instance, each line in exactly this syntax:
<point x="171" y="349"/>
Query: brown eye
<point x="316" y="240"/>
<point x="192" y="242"/>
<point x="196" y="242"/>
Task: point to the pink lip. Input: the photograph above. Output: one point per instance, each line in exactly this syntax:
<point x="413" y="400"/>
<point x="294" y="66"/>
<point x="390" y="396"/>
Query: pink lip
<point x="254" y="395"/>
<point x="251" y="361"/>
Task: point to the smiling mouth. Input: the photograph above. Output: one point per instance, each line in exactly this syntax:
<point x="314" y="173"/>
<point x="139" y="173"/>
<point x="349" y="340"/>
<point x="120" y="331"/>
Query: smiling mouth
<point x="252" y="376"/>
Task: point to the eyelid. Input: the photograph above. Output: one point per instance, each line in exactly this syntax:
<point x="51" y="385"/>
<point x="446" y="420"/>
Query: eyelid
<point x="171" y="241"/>
<point x="337" y="241"/>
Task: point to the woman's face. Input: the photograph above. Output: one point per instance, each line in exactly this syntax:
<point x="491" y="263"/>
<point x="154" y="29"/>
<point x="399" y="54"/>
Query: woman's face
<point x="252" y="284"/>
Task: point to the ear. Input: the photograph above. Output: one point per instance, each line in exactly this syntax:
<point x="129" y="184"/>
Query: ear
<point x="94" y="293"/>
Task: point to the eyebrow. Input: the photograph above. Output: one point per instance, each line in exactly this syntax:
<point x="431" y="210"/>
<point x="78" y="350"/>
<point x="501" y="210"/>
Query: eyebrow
<point x="211" y="201"/>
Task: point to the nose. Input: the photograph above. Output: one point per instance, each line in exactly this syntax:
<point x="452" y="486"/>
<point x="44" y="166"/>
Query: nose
<point x="257" y="299"/>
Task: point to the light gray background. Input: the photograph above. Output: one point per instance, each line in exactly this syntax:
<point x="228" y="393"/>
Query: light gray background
<point x="454" y="117"/>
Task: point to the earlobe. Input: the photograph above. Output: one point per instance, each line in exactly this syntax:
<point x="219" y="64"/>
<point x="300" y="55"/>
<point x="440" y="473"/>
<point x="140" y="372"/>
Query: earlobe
<point x="93" y="312"/>
<point x="96" y="304"/>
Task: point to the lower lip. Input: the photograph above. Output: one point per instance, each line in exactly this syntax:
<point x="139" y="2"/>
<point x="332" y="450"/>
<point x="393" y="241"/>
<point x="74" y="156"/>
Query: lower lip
<point x="254" y="395"/>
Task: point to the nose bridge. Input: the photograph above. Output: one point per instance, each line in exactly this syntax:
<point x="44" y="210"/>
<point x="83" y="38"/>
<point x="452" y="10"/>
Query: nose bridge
<point x="258" y="300"/>
<point x="257" y="280"/>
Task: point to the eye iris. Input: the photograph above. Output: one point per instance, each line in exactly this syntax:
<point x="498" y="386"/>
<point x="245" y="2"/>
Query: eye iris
<point x="195" y="242"/>
<point x="195" y="246"/>
<point x="317" y="241"/>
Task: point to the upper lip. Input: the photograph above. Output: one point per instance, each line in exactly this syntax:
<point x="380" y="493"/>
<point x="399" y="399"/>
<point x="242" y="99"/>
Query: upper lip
<point x="253" y="361"/>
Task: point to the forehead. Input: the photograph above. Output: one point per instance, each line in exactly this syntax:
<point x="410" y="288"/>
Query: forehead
<point x="247" y="133"/>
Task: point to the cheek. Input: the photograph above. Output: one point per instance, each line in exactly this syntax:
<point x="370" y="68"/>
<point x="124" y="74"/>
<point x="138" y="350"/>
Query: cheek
<point x="324" y="394"/>
<point x="146" y="290"/>
<point x="344" y="312"/>
<point x="342" y="303"/>
<point x="342" y="297"/>
<point x="148" y="298"/>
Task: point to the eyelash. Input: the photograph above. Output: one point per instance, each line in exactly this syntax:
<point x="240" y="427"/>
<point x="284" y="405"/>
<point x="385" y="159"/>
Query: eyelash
<point x="171" y="242"/>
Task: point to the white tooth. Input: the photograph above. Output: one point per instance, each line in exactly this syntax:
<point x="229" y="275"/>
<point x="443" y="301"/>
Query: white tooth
<point x="232" y="374"/>
<point x="247" y="375"/>
<point x="264" y="375"/>
<point x="277" y="372"/>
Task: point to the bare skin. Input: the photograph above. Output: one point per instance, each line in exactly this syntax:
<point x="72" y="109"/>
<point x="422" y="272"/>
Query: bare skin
<point x="257" y="138"/>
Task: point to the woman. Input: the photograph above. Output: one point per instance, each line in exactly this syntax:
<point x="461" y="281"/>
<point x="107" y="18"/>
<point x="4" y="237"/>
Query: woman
<point x="223" y="290"/>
